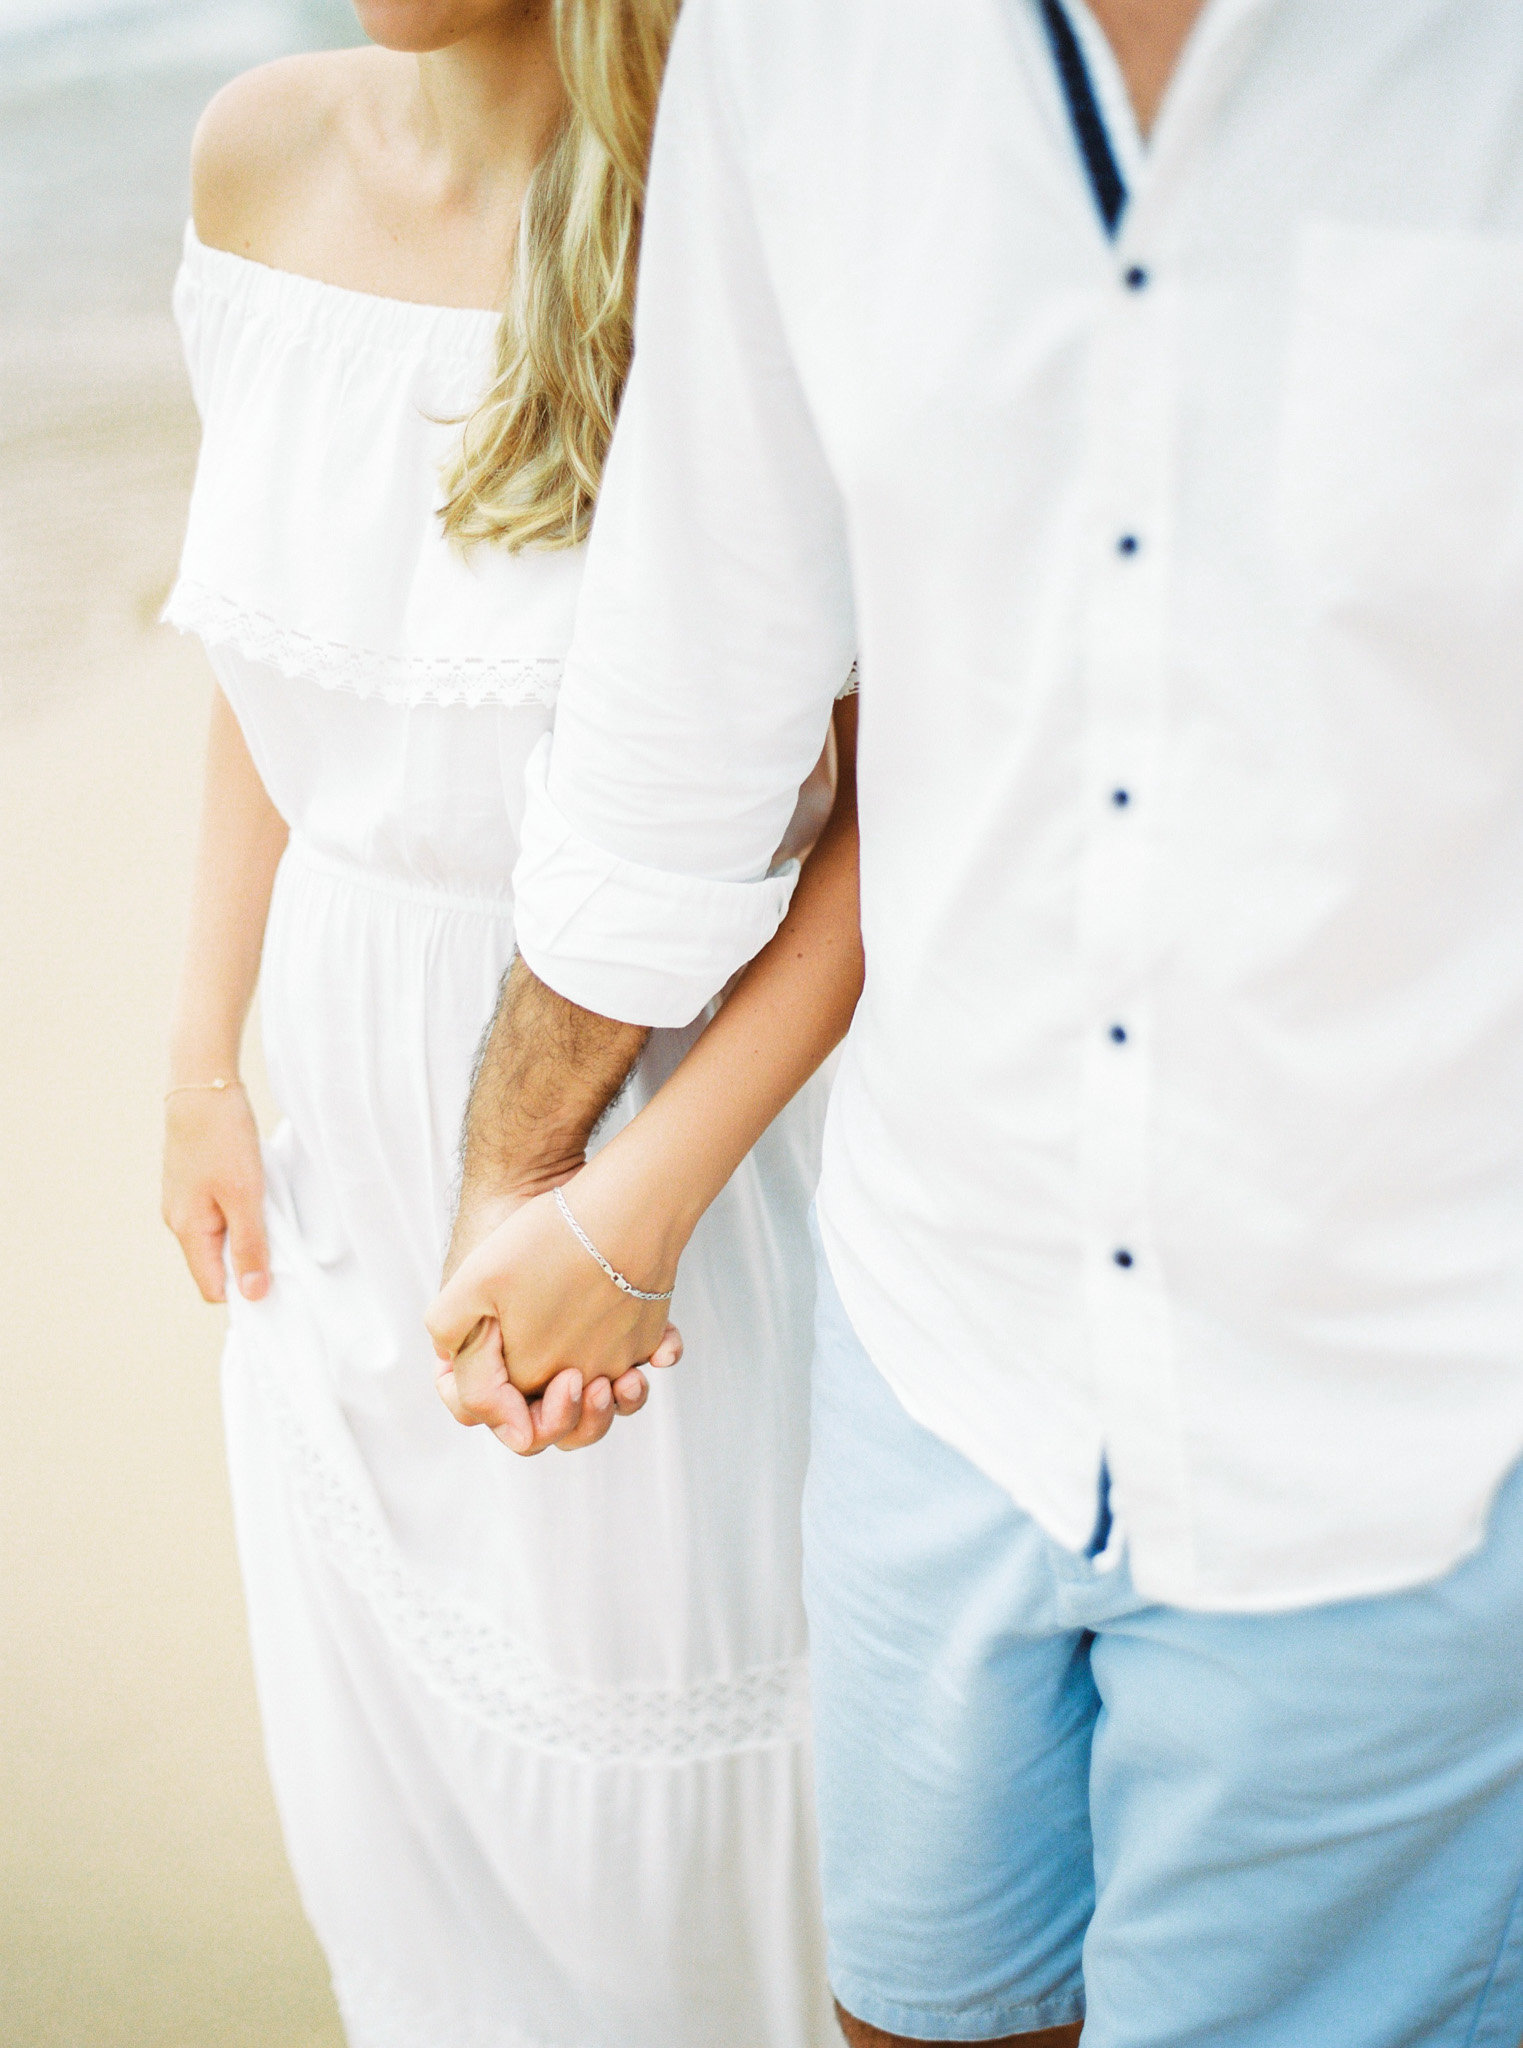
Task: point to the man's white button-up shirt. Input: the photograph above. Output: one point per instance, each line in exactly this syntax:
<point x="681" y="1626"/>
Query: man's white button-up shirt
<point x="1180" y="1131"/>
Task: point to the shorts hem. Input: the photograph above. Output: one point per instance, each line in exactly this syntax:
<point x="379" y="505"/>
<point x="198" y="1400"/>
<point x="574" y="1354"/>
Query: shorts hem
<point x="956" y="2022"/>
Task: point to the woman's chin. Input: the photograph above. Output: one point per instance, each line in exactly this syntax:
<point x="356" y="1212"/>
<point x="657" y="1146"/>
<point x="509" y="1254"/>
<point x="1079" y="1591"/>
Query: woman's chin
<point x="419" y="26"/>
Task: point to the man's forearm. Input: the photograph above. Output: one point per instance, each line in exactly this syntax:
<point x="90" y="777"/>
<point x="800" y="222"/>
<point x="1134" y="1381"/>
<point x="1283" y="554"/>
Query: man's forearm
<point x="548" y="1070"/>
<point x="789" y="1010"/>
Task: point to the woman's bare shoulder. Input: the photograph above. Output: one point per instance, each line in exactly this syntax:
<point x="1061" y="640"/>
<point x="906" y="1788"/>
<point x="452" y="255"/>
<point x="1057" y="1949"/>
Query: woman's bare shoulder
<point x="269" y="140"/>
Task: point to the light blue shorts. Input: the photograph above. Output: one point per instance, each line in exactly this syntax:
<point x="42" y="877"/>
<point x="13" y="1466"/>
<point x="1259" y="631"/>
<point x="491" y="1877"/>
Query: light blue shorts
<point x="1039" y="1793"/>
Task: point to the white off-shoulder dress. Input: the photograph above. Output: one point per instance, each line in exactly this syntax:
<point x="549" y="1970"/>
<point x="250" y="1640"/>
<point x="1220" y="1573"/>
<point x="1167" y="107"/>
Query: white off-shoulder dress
<point x="536" y="1729"/>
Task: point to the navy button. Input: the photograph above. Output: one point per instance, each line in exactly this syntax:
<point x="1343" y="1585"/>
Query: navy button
<point x="1128" y="544"/>
<point x="1136" y="279"/>
<point x="1122" y="1257"/>
<point x="1121" y="798"/>
<point x="1118" y="1034"/>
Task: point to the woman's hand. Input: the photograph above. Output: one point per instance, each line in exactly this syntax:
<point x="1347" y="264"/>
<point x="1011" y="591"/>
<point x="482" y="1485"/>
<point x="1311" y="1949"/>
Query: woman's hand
<point x="214" y="1189"/>
<point x="534" y="1339"/>
<point x="571" y="1413"/>
<point x="213" y="1175"/>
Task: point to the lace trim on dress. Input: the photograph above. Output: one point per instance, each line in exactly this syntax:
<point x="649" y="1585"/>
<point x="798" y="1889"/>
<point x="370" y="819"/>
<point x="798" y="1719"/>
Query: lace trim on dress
<point x="395" y="678"/>
<point x="477" y="1667"/>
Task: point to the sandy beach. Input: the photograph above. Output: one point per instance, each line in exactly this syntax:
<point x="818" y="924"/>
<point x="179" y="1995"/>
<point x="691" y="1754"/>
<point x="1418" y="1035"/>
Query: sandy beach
<point x="144" y="1896"/>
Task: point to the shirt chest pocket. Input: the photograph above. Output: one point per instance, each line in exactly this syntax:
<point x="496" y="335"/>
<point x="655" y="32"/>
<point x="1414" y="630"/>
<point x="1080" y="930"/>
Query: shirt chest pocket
<point x="1401" y="452"/>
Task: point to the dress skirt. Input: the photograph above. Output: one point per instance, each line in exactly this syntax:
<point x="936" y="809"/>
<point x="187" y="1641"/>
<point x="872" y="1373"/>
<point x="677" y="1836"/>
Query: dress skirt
<point x="537" y="1729"/>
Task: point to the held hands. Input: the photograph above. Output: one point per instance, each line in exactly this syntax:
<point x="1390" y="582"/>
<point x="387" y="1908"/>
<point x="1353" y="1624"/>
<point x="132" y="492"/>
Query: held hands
<point x="214" y="1188"/>
<point x="576" y="1341"/>
<point x="534" y="1341"/>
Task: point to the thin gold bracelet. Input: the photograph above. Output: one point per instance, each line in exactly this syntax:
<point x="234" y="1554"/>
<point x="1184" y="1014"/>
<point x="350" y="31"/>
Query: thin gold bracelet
<point x="186" y="1087"/>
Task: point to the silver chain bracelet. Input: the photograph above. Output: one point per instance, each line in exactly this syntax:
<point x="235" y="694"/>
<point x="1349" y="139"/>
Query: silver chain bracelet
<point x="624" y="1286"/>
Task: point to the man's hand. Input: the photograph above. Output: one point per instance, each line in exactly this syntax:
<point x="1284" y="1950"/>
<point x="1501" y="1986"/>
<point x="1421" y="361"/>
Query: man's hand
<point x="536" y="1343"/>
<point x="548" y="1071"/>
<point x="475" y="1387"/>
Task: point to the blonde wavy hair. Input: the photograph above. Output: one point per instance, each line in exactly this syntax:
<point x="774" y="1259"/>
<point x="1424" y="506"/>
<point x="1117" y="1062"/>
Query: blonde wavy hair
<point x="531" y="457"/>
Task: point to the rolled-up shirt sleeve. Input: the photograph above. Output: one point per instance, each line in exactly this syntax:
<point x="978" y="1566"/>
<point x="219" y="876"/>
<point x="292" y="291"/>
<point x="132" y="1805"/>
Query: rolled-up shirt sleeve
<point x="715" y="626"/>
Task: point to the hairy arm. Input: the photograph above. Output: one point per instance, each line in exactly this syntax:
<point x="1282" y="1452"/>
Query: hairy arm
<point x="547" y="1072"/>
<point x="213" y="1179"/>
<point x="527" y="1279"/>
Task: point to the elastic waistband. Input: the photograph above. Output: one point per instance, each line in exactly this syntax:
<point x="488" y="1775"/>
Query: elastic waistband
<point x="300" y="852"/>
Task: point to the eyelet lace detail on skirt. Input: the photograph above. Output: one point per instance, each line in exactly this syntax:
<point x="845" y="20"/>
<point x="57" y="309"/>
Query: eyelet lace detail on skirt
<point x="475" y="1666"/>
<point x="395" y="678"/>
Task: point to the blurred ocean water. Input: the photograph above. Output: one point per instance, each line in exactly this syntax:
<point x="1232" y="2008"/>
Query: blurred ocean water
<point x="98" y="99"/>
<point x="46" y="43"/>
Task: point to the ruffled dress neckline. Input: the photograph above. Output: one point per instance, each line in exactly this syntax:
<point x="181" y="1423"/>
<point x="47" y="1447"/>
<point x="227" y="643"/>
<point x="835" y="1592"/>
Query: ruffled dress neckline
<point x="314" y="545"/>
<point x="365" y="317"/>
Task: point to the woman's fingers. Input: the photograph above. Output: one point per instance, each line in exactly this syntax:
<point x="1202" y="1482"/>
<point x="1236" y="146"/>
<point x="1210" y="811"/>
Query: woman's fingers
<point x="516" y="1429"/>
<point x="480" y="1390"/>
<point x="458" y="1309"/>
<point x="202" y="1246"/>
<point x="630" y="1390"/>
<point x="598" y="1410"/>
<point x="567" y="1415"/>
<point x="475" y="1387"/>
<point x="246" y="1244"/>
<point x="444" y="1387"/>
<point x="553" y="1417"/>
<point x="478" y="1370"/>
<point x="559" y="1409"/>
<point x="214" y="1191"/>
<point x="669" y="1350"/>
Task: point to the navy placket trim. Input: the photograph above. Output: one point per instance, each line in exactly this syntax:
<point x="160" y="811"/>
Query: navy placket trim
<point x="1109" y="188"/>
<point x="1105" y="179"/>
